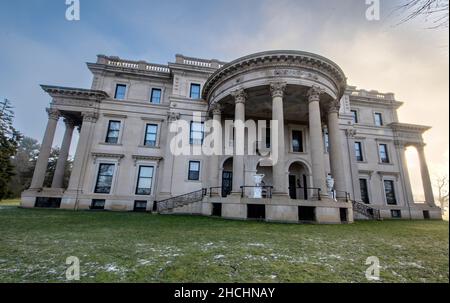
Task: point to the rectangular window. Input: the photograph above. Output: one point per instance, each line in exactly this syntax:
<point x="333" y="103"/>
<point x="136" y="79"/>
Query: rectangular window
<point x="151" y="133"/>
<point x="156" y="96"/>
<point x="112" y="135"/>
<point x="121" y="90"/>
<point x="194" y="171"/>
<point x="364" y="191"/>
<point x="98" y="204"/>
<point x="355" y="116"/>
<point x="104" y="178"/>
<point x="327" y="141"/>
<point x="390" y="192"/>
<point x="297" y="141"/>
<point x="140" y="206"/>
<point x="378" y="119"/>
<point x="197" y="133"/>
<point x="195" y="91"/>
<point x="396" y="214"/>
<point x="358" y="152"/>
<point x="384" y="156"/>
<point x="145" y="180"/>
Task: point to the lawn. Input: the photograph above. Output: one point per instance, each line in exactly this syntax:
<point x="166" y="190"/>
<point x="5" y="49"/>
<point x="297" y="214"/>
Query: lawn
<point x="136" y="247"/>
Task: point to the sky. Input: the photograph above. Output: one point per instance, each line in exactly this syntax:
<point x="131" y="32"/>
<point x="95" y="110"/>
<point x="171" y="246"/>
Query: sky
<point x="39" y="46"/>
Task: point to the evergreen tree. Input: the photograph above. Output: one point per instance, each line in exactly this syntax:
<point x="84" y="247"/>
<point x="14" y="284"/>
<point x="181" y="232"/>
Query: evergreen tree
<point x="9" y="141"/>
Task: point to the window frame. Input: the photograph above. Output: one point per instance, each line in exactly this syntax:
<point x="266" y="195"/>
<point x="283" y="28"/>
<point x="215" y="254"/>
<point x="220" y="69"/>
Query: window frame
<point x="191" y="138"/>
<point x="139" y="177"/>
<point x="360" y="145"/>
<point x="380" y="115"/>
<point x="116" y="90"/>
<point x="153" y="90"/>
<point x="301" y="143"/>
<point x="394" y="192"/>
<point x="355" y="116"/>
<point x="108" y="130"/>
<point x="199" y="90"/>
<point x="97" y="179"/>
<point x="366" y="182"/>
<point x="388" y="158"/>
<point x="198" y="171"/>
<point x="146" y="133"/>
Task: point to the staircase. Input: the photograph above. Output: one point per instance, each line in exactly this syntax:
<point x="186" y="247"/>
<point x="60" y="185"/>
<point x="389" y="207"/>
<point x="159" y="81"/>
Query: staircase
<point x="367" y="211"/>
<point x="180" y="201"/>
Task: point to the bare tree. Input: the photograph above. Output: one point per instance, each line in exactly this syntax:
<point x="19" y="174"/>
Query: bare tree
<point x="443" y="190"/>
<point x="433" y="11"/>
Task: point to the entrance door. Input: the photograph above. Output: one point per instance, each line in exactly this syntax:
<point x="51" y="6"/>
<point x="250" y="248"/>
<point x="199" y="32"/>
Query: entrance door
<point x="292" y="187"/>
<point x="227" y="183"/>
<point x="305" y="187"/>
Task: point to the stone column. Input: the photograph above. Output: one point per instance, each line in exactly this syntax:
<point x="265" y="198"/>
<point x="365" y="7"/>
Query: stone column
<point x="46" y="147"/>
<point x="81" y="154"/>
<point x="354" y="171"/>
<point x="217" y="149"/>
<point x="280" y="182"/>
<point x="404" y="172"/>
<point x="316" y="142"/>
<point x="336" y="153"/>
<point x="426" y="180"/>
<point x="239" y="138"/>
<point x="58" y="177"/>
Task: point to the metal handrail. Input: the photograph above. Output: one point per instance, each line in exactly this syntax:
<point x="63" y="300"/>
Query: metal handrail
<point x="269" y="192"/>
<point x="181" y="200"/>
<point x="346" y="194"/>
<point x="319" y="190"/>
<point x="369" y="212"/>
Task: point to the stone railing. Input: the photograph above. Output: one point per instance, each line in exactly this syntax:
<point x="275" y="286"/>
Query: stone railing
<point x="129" y="64"/>
<point x="373" y="94"/>
<point x="213" y="63"/>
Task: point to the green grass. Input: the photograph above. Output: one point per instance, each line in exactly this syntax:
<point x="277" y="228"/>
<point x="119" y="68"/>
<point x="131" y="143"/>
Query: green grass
<point x="131" y="247"/>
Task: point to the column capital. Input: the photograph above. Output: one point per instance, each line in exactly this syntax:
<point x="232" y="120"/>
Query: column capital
<point x="173" y="116"/>
<point x="351" y="133"/>
<point x="69" y="123"/>
<point x="240" y="96"/>
<point x="53" y="114"/>
<point x="420" y="147"/>
<point x="277" y="89"/>
<point x="314" y="93"/>
<point x="216" y="109"/>
<point x="334" y="106"/>
<point x="89" y="117"/>
<point x="399" y="144"/>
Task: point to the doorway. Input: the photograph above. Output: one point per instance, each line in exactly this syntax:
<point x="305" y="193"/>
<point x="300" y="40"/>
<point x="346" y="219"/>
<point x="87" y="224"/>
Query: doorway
<point x="227" y="183"/>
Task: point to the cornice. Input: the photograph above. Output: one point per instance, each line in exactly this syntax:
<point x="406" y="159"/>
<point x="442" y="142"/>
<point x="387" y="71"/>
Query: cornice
<point x="404" y="127"/>
<point x="70" y="92"/>
<point x="287" y="58"/>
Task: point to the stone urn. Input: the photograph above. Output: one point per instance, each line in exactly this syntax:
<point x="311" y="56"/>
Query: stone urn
<point x="257" y="191"/>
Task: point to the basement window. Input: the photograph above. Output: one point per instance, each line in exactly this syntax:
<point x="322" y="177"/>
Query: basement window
<point x="306" y="214"/>
<point x="256" y="211"/>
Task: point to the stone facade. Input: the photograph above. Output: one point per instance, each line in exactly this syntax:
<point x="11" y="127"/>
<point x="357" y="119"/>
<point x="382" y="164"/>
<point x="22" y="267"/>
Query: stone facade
<point x="133" y="103"/>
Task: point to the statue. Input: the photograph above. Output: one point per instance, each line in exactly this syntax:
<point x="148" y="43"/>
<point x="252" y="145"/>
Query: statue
<point x="330" y="187"/>
<point x="257" y="192"/>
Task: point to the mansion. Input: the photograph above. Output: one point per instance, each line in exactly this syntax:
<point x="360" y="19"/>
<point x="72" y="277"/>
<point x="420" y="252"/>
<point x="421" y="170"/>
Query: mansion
<point x="340" y="150"/>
